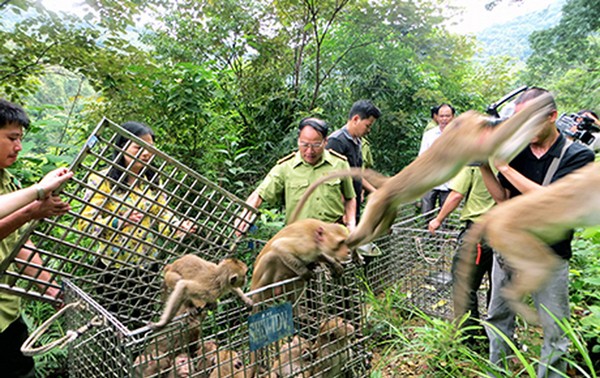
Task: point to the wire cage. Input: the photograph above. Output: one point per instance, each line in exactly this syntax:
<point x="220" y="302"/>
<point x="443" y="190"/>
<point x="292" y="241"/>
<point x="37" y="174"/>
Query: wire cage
<point x="109" y="268"/>
<point x="386" y="258"/>
<point x="419" y="263"/>
<point x="226" y="343"/>
<point x="178" y="210"/>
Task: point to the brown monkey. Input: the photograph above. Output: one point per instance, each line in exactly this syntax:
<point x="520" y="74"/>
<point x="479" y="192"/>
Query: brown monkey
<point x="468" y="138"/>
<point x="227" y="364"/>
<point x="206" y="353"/>
<point x="334" y="336"/>
<point x="289" y="253"/>
<point x="183" y="367"/>
<point x="293" y="359"/>
<point x="147" y="365"/>
<point x="196" y="282"/>
<point x="521" y="229"/>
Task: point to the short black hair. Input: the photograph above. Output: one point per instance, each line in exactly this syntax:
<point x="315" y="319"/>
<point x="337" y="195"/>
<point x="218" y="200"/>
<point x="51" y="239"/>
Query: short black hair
<point x="364" y="109"/>
<point x="12" y="113"/>
<point x="319" y="125"/>
<point x="534" y="92"/>
<point x="436" y="109"/>
<point x="583" y="111"/>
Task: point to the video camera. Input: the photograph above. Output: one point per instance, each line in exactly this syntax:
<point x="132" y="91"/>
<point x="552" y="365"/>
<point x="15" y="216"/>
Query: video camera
<point x="578" y="127"/>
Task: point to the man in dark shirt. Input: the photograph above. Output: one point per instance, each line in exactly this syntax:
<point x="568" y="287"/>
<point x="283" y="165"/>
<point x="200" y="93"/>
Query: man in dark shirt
<point x="347" y="141"/>
<point x="529" y="171"/>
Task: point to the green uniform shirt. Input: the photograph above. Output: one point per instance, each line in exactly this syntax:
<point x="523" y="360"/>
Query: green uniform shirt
<point x="290" y="178"/>
<point x="478" y="200"/>
<point x="9" y="303"/>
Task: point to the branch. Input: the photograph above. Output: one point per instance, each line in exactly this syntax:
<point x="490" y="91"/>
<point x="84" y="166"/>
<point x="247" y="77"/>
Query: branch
<point x="26" y="67"/>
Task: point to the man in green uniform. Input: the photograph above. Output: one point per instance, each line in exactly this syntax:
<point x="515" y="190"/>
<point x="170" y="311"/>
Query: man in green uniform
<point x="469" y="184"/>
<point x="288" y="180"/>
<point x="13" y="331"/>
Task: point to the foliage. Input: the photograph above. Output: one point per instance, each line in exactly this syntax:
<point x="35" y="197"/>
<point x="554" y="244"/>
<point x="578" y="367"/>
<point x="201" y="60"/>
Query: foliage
<point x="55" y="361"/>
<point x="565" y="57"/>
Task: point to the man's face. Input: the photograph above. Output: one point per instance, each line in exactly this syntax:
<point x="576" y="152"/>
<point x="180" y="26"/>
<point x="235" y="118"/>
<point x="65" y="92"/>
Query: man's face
<point x="546" y="130"/>
<point x="363" y="125"/>
<point x="10" y="144"/>
<point x="444" y="116"/>
<point x="311" y="145"/>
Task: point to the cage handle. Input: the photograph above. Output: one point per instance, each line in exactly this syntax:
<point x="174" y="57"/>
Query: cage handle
<point x="27" y="348"/>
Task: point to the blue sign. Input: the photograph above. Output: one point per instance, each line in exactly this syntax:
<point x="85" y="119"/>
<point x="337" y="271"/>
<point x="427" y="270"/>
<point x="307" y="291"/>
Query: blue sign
<point x="270" y="325"/>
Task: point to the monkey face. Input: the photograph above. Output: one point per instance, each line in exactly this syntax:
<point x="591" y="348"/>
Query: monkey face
<point x="331" y="239"/>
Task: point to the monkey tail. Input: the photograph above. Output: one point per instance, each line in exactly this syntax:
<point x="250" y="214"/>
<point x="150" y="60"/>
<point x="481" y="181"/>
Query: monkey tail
<point x="375" y="178"/>
<point x="465" y="261"/>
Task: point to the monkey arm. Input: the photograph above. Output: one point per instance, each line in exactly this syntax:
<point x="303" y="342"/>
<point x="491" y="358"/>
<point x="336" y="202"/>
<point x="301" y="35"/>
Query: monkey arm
<point x="295" y="264"/>
<point x="238" y="291"/>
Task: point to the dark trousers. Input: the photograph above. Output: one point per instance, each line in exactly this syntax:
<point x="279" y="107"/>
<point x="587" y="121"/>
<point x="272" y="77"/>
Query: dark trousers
<point x="13" y="364"/>
<point x="484" y="259"/>
<point x="431" y="198"/>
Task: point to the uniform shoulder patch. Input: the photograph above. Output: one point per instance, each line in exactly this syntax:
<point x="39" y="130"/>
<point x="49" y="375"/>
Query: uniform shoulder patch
<point x="337" y="154"/>
<point x="286" y="158"/>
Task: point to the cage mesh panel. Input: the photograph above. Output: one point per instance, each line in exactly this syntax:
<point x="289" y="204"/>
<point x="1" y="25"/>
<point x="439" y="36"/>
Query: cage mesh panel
<point x="76" y="246"/>
<point x="114" y="351"/>
<point x="419" y="264"/>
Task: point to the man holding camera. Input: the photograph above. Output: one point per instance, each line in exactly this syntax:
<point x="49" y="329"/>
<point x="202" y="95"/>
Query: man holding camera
<point x="548" y="157"/>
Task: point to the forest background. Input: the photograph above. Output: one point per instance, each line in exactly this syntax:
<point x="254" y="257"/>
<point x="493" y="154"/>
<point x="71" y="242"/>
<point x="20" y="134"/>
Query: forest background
<point x="224" y="82"/>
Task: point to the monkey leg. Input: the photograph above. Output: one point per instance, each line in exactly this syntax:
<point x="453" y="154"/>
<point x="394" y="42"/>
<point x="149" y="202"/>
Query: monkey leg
<point x="532" y="262"/>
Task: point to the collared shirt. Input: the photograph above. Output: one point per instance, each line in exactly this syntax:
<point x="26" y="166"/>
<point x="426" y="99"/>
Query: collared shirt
<point x="133" y="241"/>
<point x="288" y="180"/>
<point x="429" y="137"/>
<point x="535" y="169"/>
<point x="9" y="304"/>
<point x="478" y="200"/>
<point x="343" y="143"/>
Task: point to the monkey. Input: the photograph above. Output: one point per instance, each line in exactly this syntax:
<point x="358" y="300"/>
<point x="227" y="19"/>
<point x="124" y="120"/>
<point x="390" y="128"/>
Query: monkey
<point x="293" y="359"/>
<point x="334" y="336"/>
<point x="183" y="367"/>
<point x="197" y="283"/>
<point x="227" y="364"/>
<point x="521" y="230"/>
<point x="289" y="253"/>
<point x="206" y="353"/>
<point x="468" y="138"/>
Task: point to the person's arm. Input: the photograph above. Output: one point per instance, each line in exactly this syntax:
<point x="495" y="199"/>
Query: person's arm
<point x="497" y="191"/>
<point x="51" y="206"/>
<point x="449" y="206"/>
<point x="520" y="182"/>
<point x="350" y="213"/>
<point x="246" y="218"/>
<point x="40" y="274"/>
<point x="14" y="201"/>
<point x="367" y="186"/>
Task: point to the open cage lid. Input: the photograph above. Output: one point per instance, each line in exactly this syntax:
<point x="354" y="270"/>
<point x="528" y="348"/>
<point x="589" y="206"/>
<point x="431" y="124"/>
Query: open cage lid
<point x="95" y="235"/>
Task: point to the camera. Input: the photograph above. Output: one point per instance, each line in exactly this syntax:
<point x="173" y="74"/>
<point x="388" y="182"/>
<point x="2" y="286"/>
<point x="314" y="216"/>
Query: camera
<point x="578" y="127"/>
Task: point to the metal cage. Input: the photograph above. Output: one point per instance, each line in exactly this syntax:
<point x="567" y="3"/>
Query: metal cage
<point x="97" y="239"/>
<point x="220" y="345"/>
<point x="109" y="269"/>
<point x="419" y="263"/>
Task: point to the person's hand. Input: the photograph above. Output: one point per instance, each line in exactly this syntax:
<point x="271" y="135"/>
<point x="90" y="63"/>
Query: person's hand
<point x="434" y="224"/>
<point x="49" y="207"/>
<point x="188" y="227"/>
<point x="54" y="179"/>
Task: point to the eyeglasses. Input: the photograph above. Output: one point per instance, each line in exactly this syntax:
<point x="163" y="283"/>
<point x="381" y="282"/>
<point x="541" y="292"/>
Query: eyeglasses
<point x="313" y="145"/>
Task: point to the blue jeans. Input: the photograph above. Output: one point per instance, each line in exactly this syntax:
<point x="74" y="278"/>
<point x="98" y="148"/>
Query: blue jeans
<point x="555" y="296"/>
